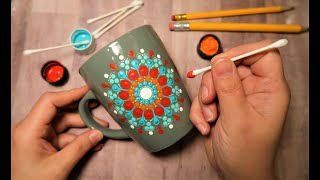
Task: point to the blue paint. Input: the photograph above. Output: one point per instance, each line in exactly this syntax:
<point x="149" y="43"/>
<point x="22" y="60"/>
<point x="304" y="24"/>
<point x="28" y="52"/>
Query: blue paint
<point x="80" y="35"/>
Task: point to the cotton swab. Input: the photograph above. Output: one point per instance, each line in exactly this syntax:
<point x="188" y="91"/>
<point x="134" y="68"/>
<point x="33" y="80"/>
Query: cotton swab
<point x="96" y="36"/>
<point x="277" y="44"/>
<point x="107" y="23"/>
<point x="134" y="3"/>
<point x="32" y="51"/>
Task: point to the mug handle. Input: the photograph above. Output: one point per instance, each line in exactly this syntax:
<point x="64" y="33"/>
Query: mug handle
<point x="90" y="122"/>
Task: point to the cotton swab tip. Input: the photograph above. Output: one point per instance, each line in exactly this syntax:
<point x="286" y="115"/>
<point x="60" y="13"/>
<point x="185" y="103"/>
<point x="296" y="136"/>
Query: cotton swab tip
<point x="190" y="74"/>
<point x="27" y="52"/>
<point x="280" y="43"/>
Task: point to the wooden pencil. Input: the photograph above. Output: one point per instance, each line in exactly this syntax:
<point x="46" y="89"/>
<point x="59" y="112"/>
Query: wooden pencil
<point x="244" y="27"/>
<point x="232" y="12"/>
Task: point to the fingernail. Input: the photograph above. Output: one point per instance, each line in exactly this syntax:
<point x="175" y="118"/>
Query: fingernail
<point x="208" y="114"/>
<point x="98" y="147"/>
<point x="95" y="136"/>
<point x="201" y="128"/>
<point x="223" y="67"/>
<point x="204" y="92"/>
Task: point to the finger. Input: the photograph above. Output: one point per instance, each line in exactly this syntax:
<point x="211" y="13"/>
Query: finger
<point x="46" y="107"/>
<point x="228" y="86"/>
<point x="209" y="111"/>
<point x="69" y="156"/>
<point x="268" y="66"/>
<point x="197" y="117"/>
<point x="239" y="50"/>
<point x="63" y="140"/>
<point x="74" y="106"/>
<point x="244" y="72"/>
<point x="207" y="92"/>
<point x="73" y="120"/>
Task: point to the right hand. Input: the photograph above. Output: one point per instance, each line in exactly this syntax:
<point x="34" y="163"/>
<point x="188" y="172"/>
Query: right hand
<point x="249" y="102"/>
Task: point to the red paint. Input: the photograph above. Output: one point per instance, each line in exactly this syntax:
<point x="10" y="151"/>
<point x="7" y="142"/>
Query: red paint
<point x="162" y="80"/>
<point x="143" y="70"/>
<point x="176" y="117"/>
<point x="159" y="111"/>
<point x="165" y="63"/>
<point x="123" y="119"/>
<point x="131" y="54"/>
<point x="110" y="104"/>
<point x="133" y="74"/>
<point x="124" y="95"/>
<point x="148" y="114"/>
<point x="190" y="74"/>
<point x="104" y="85"/>
<point x="125" y="84"/>
<point x="140" y="130"/>
<point x="181" y="100"/>
<point x="154" y="72"/>
<point x="54" y="73"/>
<point x="166" y="91"/>
<point x="137" y="112"/>
<point x="151" y="54"/>
<point x="176" y="80"/>
<point x="128" y="105"/>
<point x="160" y="130"/>
<point x="113" y="67"/>
<point x="165" y="102"/>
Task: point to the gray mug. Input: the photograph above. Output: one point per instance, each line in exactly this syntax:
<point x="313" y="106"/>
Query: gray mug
<point x="136" y="81"/>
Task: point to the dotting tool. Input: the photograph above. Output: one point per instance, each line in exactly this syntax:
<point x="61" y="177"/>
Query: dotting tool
<point x="277" y="44"/>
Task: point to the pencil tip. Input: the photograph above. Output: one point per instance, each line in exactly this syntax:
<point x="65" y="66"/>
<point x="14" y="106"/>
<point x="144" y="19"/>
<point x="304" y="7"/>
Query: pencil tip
<point x="304" y="29"/>
<point x="287" y="8"/>
<point x="190" y="74"/>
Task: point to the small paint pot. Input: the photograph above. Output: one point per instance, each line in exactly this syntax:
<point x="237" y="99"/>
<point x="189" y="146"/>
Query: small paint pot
<point x="54" y="73"/>
<point x="209" y="46"/>
<point x="80" y="35"/>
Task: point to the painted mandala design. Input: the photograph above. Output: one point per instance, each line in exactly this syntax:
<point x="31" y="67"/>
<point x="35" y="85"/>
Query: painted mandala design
<point x="141" y="88"/>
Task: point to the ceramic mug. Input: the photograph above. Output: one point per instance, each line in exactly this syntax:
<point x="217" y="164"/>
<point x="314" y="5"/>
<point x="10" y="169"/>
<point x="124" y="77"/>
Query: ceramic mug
<point x="136" y="81"/>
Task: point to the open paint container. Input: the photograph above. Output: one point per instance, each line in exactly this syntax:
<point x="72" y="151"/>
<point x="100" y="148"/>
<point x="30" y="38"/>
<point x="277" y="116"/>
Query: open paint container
<point x="80" y="35"/>
<point x="54" y="73"/>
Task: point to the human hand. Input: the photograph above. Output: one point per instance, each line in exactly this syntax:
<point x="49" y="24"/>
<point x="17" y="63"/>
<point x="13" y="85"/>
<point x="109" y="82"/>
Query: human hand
<point x="249" y="102"/>
<point x="40" y="147"/>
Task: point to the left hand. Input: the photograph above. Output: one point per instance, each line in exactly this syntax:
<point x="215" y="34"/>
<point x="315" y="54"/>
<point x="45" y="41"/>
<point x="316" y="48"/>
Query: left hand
<point x="40" y="147"/>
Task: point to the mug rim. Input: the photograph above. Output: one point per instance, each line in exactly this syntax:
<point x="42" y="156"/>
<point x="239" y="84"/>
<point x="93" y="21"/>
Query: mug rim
<point x="116" y="39"/>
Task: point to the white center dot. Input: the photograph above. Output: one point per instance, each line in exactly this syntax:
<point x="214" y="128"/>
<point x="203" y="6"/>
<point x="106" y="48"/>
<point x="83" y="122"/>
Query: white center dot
<point x="146" y="93"/>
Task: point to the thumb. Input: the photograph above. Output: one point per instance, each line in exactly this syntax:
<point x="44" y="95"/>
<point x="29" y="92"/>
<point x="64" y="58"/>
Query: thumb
<point x="72" y="153"/>
<point x="228" y="86"/>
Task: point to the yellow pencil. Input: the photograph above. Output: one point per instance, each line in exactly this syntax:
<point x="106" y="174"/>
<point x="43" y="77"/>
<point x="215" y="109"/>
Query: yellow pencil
<point x="232" y="12"/>
<point x="226" y="26"/>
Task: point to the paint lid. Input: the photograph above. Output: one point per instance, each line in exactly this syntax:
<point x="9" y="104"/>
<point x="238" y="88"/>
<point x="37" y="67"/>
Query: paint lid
<point x="209" y="46"/>
<point x="80" y="35"/>
<point x="54" y="73"/>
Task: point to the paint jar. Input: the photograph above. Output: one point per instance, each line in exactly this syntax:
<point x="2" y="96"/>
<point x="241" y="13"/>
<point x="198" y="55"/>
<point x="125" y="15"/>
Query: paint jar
<point x="54" y="73"/>
<point x="80" y="35"/>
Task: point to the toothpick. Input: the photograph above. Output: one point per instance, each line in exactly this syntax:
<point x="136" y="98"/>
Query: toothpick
<point x="277" y="44"/>
<point x="32" y="51"/>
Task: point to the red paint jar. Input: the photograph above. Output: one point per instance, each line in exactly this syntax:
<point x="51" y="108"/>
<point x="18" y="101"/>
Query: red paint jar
<point x="54" y="73"/>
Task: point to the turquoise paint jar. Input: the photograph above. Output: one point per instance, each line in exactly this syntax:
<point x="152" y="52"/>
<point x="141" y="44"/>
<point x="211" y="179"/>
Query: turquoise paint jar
<point x="79" y="35"/>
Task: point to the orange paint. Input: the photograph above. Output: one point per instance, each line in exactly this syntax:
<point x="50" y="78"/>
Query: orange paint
<point x="160" y="95"/>
<point x="148" y="78"/>
<point x="134" y="83"/>
<point x="131" y="91"/>
<point x="140" y="79"/>
<point x="150" y="106"/>
<point x="157" y="101"/>
<point x="137" y="104"/>
<point x="209" y="46"/>
<point x="143" y="107"/>
<point x="154" y="81"/>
